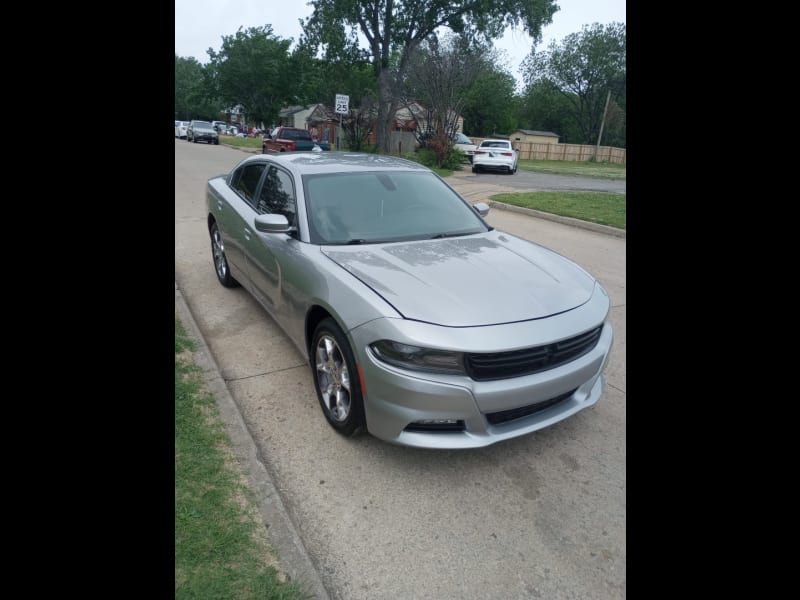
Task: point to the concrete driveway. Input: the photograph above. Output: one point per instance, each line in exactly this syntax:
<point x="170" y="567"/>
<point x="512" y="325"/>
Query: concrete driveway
<point x="537" y="517"/>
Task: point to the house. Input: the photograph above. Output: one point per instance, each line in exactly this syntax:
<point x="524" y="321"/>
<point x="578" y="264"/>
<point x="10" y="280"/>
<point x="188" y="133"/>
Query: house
<point x="316" y="118"/>
<point x="534" y="137"/>
<point x="408" y="117"/>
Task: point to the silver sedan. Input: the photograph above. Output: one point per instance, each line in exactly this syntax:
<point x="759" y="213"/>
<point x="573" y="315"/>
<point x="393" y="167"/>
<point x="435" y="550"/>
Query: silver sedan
<point x="421" y="323"/>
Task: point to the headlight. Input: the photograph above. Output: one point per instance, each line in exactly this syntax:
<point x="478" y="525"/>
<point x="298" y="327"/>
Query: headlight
<point x="419" y="359"/>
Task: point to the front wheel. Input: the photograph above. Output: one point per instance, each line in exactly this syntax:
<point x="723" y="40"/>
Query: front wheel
<point x="336" y="379"/>
<point x="220" y="261"/>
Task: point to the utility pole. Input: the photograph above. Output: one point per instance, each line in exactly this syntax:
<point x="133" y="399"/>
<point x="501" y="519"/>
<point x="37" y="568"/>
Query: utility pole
<point x="602" y="124"/>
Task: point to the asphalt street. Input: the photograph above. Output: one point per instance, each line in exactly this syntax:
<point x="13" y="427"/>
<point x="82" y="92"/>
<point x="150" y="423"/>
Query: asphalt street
<point x="359" y="519"/>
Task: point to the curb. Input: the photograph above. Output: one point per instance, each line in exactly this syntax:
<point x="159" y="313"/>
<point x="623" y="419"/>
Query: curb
<point x="283" y="537"/>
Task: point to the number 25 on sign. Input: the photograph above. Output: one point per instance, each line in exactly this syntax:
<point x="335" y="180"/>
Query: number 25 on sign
<point x="342" y="102"/>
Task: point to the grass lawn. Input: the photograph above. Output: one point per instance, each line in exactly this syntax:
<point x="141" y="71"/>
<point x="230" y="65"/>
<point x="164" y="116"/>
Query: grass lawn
<point x="596" y="207"/>
<point x="238" y="142"/>
<point x="582" y="168"/>
<point x="221" y="549"/>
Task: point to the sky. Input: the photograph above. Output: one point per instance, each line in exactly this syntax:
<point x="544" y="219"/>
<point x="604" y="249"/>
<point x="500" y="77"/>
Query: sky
<point x="200" y="24"/>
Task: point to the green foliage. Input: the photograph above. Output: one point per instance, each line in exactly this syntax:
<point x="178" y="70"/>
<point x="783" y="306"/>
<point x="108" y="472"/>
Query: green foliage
<point x="544" y="108"/>
<point x="394" y="29"/>
<point x="220" y="549"/>
<point x="452" y="160"/>
<point x="584" y="67"/>
<point x="252" y="70"/>
<point x="340" y="71"/>
<point x="490" y="103"/>
<point x="193" y="97"/>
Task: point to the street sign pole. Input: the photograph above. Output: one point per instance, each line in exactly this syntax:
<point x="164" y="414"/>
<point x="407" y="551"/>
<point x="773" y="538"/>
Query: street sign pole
<point x="342" y="107"/>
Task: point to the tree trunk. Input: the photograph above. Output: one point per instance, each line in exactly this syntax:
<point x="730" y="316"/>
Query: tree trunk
<point x="386" y="110"/>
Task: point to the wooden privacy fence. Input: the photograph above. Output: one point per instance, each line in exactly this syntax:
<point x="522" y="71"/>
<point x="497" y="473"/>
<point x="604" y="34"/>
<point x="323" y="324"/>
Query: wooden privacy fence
<point x="571" y="152"/>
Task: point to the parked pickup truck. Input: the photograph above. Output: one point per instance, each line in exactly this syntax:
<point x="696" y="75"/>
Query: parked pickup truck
<point x="290" y="139"/>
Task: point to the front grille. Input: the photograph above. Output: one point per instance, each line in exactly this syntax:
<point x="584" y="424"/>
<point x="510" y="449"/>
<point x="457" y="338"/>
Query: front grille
<point x="504" y="416"/>
<point x="503" y="365"/>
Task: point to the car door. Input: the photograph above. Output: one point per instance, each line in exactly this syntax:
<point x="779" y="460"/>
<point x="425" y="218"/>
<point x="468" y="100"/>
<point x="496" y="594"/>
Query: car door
<point x="265" y="252"/>
<point x="235" y="212"/>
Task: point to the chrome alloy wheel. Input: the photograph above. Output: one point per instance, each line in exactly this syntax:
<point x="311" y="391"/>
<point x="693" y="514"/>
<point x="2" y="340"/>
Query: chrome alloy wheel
<point x="333" y="378"/>
<point x="220" y="264"/>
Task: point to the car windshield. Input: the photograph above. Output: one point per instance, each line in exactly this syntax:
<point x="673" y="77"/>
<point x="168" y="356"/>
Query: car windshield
<point x="375" y="207"/>
<point x="205" y="124"/>
<point x="462" y="139"/>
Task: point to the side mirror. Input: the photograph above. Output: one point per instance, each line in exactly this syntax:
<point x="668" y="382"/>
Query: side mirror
<point x="272" y="223"/>
<point x="481" y="208"/>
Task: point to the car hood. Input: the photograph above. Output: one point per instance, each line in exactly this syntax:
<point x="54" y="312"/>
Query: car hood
<point x="483" y="279"/>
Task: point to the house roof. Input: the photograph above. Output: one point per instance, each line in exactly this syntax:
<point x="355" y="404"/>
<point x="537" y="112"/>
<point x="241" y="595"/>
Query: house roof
<point x="290" y="110"/>
<point x="539" y="133"/>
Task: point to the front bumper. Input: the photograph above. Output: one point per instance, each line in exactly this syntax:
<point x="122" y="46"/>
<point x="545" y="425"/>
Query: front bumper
<point x="482" y="412"/>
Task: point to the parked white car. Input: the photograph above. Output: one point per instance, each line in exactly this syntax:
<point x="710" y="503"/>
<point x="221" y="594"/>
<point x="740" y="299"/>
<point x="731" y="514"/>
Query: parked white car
<point x="496" y="155"/>
<point x="464" y="144"/>
<point x="180" y="128"/>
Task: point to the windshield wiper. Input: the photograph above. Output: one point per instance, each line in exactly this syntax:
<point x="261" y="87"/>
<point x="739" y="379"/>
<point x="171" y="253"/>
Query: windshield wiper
<point x="440" y="236"/>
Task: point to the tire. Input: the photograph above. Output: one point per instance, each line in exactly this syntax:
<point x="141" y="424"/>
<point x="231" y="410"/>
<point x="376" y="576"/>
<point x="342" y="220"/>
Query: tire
<point x="336" y="379"/>
<point x="220" y="261"/>
<point x="216" y="142"/>
<point x="474" y="169"/>
<point x="194" y="139"/>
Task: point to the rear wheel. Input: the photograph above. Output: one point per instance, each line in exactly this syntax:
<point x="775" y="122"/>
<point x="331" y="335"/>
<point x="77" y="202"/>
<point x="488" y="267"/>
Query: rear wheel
<point x="336" y="379"/>
<point x="220" y="261"/>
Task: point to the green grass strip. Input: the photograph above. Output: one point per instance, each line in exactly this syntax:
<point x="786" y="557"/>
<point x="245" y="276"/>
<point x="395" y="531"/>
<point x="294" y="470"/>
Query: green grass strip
<point x="220" y="546"/>
<point x="595" y="207"/>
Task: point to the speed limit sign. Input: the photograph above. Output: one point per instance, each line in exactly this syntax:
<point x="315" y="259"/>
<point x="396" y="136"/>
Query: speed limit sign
<point x="342" y="103"/>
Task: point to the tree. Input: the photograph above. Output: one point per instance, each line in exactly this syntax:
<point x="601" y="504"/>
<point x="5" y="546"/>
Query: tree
<point x="394" y="29"/>
<point x="439" y="75"/>
<point x="322" y="78"/>
<point x="253" y="70"/>
<point x="490" y="104"/>
<point x="584" y="68"/>
<point x="543" y="107"/>
<point x="192" y="97"/>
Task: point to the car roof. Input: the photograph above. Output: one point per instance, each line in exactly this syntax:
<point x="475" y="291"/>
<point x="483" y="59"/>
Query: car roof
<point x="338" y="162"/>
<point x="493" y="140"/>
